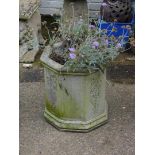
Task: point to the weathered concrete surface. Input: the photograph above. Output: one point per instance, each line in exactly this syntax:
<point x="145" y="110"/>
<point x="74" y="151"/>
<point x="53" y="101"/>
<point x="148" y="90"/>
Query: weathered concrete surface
<point x="75" y="103"/>
<point x="27" y="8"/>
<point x="114" y="138"/>
<point x="51" y="7"/>
<point x="29" y="40"/>
<point x="29" y="75"/>
<point x="74" y="100"/>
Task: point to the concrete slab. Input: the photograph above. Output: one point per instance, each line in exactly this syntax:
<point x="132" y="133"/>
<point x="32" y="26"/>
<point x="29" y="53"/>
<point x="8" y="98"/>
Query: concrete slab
<point x="27" y="8"/>
<point x="29" y="56"/>
<point x="114" y="138"/>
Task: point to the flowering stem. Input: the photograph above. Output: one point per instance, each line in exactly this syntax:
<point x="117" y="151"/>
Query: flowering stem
<point x="73" y="15"/>
<point x="48" y="32"/>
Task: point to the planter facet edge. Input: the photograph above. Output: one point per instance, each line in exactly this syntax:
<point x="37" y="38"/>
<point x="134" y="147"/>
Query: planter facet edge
<point x="75" y="126"/>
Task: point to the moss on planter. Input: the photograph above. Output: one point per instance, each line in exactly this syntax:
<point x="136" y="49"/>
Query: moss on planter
<point x="65" y="110"/>
<point x="49" y="106"/>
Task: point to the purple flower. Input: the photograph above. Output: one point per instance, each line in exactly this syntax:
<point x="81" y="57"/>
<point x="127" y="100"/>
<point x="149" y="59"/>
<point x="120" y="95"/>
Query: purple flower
<point x="95" y="44"/>
<point x="72" y="49"/>
<point x="72" y="55"/>
<point x="118" y="45"/>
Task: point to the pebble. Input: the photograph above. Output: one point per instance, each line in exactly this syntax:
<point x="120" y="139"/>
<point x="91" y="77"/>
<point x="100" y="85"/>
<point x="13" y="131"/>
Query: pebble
<point x="27" y="65"/>
<point x="123" y="107"/>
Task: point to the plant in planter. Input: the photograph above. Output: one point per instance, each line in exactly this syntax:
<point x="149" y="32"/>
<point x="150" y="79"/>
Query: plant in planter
<point x="75" y="78"/>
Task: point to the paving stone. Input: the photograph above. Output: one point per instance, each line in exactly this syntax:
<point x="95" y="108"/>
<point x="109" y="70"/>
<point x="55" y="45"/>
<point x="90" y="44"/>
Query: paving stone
<point x="29" y="75"/>
<point x="29" y="56"/>
<point x="94" y="6"/>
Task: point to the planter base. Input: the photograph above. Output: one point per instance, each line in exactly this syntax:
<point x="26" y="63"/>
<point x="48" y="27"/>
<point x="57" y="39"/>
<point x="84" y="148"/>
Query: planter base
<point x="74" y="125"/>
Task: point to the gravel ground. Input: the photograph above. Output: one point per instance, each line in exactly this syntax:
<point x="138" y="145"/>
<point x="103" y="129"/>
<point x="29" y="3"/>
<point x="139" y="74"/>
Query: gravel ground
<point x="117" y="137"/>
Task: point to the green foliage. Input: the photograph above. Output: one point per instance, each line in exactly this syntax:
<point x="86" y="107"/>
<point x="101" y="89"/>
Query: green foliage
<point x="93" y="48"/>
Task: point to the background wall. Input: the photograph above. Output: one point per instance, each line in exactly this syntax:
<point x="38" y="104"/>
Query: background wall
<point x="51" y="7"/>
<point x="54" y="6"/>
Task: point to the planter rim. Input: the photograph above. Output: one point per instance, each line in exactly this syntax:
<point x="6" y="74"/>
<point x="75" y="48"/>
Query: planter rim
<point x="60" y="69"/>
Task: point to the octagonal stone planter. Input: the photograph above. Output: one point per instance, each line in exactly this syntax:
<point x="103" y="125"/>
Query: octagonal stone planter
<point x="74" y="101"/>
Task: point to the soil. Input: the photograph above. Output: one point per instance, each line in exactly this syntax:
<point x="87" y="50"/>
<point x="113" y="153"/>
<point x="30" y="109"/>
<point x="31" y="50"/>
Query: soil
<point x="57" y="58"/>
